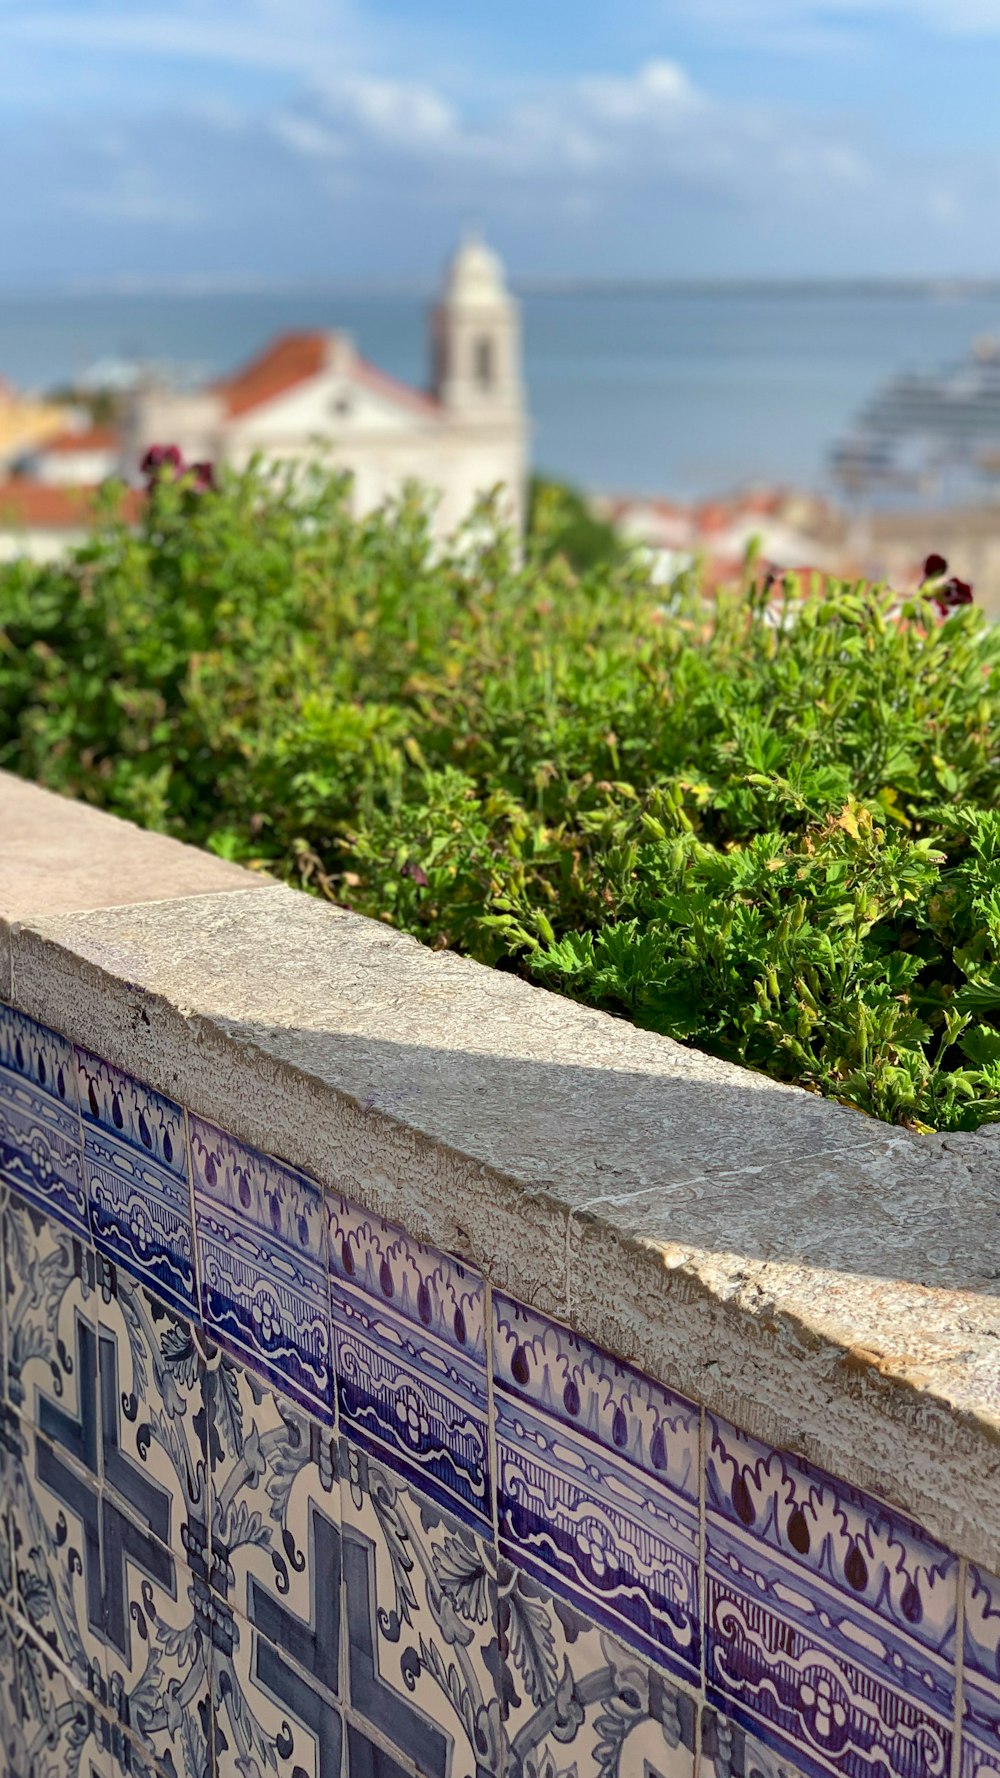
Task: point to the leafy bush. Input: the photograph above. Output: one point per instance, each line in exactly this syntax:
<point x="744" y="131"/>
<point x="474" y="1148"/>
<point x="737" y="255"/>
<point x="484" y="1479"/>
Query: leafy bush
<point x="776" y="840"/>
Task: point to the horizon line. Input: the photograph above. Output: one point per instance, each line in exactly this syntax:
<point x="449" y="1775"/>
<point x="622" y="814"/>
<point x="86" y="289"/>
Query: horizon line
<point x="197" y="287"/>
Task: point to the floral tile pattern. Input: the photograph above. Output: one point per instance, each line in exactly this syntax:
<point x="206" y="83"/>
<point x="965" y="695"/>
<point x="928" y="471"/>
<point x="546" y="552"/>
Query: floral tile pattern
<point x="135" y="1157"/>
<point x="285" y="1494"/>
<point x="598" y="1484"/>
<point x="411" y="1358"/>
<point x="830" y="1620"/>
<point x="40" y="1146"/>
<point x="264" y="1287"/>
<point x="154" y="1455"/>
<point x="159" y="1651"/>
<point x="422" y="1652"/>
<point x="51" y="1728"/>
<point x="981" y="1725"/>
<point x="578" y="1703"/>
<point x="276" y="1507"/>
<point x="51" y="1312"/>
<point x="55" y="1544"/>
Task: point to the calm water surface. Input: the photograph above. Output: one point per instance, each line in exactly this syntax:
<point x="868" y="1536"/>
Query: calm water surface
<point x="669" y="391"/>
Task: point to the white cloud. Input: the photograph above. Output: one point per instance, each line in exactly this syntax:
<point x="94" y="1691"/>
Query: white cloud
<point x="610" y="172"/>
<point x="805" y="24"/>
<point x="403" y="112"/>
<point x="300" y="36"/>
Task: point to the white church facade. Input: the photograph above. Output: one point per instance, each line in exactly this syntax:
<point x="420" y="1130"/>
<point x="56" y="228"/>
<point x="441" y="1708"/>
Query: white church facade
<point x="312" y="394"/>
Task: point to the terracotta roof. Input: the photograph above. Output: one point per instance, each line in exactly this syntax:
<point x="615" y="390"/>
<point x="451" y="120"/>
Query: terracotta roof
<point x="291" y="359"/>
<point x="34" y="506"/>
<point x="95" y="438"/>
<point x="296" y="358"/>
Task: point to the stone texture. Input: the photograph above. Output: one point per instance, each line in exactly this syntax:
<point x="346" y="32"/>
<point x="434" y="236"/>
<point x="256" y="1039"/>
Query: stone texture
<point x="821" y="1279"/>
<point x="58" y="856"/>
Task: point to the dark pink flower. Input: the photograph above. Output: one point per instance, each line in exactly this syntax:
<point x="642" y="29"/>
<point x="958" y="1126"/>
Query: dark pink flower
<point x="416" y="873"/>
<point x="204" y="477"/>
<point x="161" y="457"/>
<point x="934" y="567"/>
<point x="951" y="594"/>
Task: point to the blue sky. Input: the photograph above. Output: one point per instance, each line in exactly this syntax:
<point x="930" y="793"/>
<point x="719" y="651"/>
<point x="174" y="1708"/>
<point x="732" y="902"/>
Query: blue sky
<point x="346" y="140"/>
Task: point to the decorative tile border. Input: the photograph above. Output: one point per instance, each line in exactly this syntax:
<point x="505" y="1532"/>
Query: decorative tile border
<point x="136" y="1164"/>
<point x="830" y="1620"/>
<point x="411" y="1358"/>
<point x="282" y="1487"/>
<point x="264" y="1286"/>
<point x="40" y="1150"/>
<point x="598" y="1484"/>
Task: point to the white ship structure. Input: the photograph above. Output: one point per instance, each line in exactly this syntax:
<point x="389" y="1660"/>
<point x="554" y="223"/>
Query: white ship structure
<point x="928" y="438"/>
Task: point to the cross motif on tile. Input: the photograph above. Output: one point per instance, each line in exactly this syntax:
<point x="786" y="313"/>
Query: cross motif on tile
<point x="110" y="1538"/>
<point x="151" y="1502"/>
<point x="304" y="1677"/>
<point x="308" y="1695"/>
<point x="406" y="1727"/>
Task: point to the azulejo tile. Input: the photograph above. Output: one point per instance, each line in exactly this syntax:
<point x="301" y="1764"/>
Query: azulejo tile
<point x="410" y="1353"/>
<point x="598" y="1484"/>
<point x="981" y="1723"/>
<point x="11" y="1725"/>
<point x="262" y="1244"/>
<point x="51" y="1728"/>
<point x="271" y="1714"/>
<point x="159" y="1629"/>
<point x="54" y="1508"/>
<point x="153" y="1444"/>
<point x="51" y="1311"/>
<point x="830" y="1619"/>
<point x="423" y="1665"/>
<point x="276" y="1508"/>
<point x="728" y="1752"/>
<point x="577" y="1701"/>
<point x="41" y="1150"/>
<point x="276" y="1546"/>
<point x="135" y="1155"/>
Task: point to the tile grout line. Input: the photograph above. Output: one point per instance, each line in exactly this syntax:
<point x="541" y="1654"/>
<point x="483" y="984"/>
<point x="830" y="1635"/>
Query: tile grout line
<point x="956" y="1751"/>
<point x="702" y="1448"/>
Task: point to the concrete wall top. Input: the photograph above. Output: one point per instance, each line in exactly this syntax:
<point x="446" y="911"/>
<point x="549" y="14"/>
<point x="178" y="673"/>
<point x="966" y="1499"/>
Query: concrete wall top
<point x="827" y="1282"/>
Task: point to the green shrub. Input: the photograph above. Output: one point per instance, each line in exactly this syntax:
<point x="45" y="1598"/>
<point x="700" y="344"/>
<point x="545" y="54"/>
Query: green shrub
<point x="776" y="841"/>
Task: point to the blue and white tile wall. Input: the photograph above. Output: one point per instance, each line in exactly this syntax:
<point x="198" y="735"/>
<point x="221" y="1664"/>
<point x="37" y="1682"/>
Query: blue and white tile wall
<point x="286" y="1494"/>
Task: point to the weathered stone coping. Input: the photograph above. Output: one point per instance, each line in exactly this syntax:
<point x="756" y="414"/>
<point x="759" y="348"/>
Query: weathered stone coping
<point x="826" y="1282"/>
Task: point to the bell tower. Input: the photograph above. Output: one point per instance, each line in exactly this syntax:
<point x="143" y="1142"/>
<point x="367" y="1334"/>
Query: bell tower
<point x="476" y="338"/>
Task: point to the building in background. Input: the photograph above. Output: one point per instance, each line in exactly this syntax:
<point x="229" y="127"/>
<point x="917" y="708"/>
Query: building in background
<point x="26" y="423"/>
<point x="80" y="456"/>
<point x="313" y="394"/>
<point x="40" y="523"/>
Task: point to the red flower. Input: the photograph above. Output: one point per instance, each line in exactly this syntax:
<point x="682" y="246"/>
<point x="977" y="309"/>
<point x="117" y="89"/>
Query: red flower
<point x="934" y="567"/>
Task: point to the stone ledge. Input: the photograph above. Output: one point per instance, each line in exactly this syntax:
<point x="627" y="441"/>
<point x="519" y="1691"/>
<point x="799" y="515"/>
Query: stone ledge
<point x="825" y="1281"/>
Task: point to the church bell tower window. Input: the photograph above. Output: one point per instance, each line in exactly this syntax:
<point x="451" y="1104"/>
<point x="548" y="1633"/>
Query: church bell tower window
<point x="484" y="368"/>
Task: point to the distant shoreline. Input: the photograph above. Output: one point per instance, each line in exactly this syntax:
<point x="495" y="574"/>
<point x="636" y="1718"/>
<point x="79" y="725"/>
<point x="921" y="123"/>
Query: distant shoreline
<point x="197" y="289"/>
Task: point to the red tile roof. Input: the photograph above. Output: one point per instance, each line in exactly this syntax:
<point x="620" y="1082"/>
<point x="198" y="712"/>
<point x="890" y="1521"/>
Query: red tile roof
<point x="295" y="358"/>
<point x="95" y="438"/>
<point x="291" y="359"/>
<point x="34" y="506"/>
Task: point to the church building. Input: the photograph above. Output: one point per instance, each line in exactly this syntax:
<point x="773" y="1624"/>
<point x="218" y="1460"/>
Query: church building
<point x="312" y="394"/>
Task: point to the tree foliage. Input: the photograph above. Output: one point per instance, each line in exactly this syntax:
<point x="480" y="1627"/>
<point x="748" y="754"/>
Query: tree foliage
<point x="777" y="840"/>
